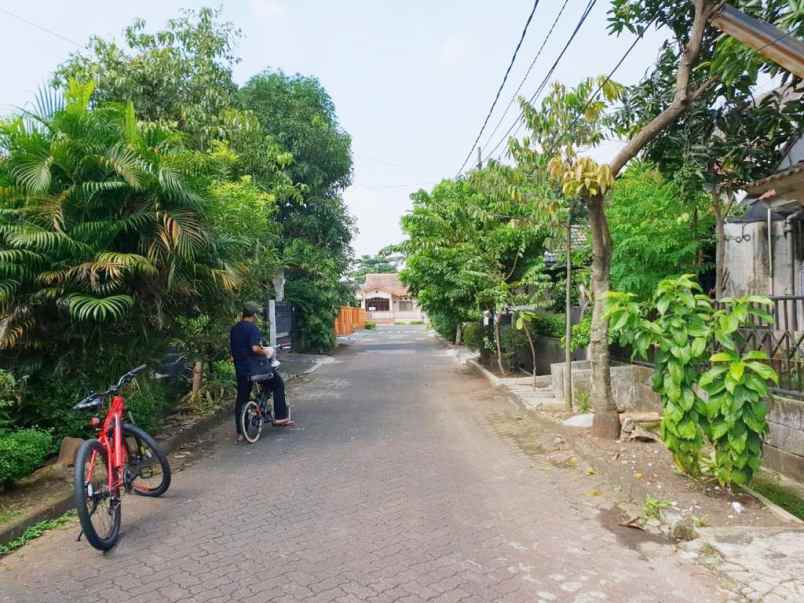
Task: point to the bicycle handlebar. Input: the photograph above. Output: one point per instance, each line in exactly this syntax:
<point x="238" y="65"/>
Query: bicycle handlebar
<point x="93" y="400"/>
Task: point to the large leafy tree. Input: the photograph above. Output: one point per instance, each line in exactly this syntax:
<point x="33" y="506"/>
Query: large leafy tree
<point x="299" y="113"/>
<point x="97" y="223"/>
<point x="471" y="247"/>
<point x="181" y="74"/>
<point x="656" y="232"/>
<point x="315" y="225"/>
<point x="695" y="62"/>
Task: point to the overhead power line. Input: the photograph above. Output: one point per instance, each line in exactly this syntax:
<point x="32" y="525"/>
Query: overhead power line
<point x="40" y="27"/>
<point x="550" y="72"/>
<point x="527" y="73"/>
<point x="502" y="85"/>
<point x="611" y="74"/>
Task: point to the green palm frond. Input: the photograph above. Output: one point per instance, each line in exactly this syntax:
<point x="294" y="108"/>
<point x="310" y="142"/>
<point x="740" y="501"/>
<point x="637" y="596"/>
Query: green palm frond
<point x="86" y="307"/>
<point x="48" y="102"/>
<point x="33" y="175"/>
<point x="21" y="256"/>
<point x="45" y="241"/>
<point x="14" y="327"/>
<point x="88" y="190"/>
<point x="47" y="294"/>
<point x="181" y="232"/>
<point x="125" y="162"/>
<point x="7" y="289"/>
<point x="132" y="262"/>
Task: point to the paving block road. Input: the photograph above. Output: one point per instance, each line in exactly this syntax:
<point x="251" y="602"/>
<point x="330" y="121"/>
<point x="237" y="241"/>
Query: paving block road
<point x="395" y="486"/>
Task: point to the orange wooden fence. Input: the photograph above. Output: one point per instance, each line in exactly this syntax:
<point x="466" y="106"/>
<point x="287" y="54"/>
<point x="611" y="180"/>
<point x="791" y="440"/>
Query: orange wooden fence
<point x="349" y="320"/>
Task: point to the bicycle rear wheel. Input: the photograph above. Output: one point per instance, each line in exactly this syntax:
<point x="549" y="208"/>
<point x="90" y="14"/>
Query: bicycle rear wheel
<point x="251" y="421"/>
<point x="98" y="507"/>
<point x="147" y="471"/>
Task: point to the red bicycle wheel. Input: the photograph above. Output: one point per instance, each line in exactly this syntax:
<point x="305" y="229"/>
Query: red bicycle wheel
<point x="98" y="507"/>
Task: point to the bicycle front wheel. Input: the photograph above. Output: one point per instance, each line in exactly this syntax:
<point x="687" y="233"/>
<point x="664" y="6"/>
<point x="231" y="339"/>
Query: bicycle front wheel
<point x="97" y="505"/>
<point x="251" y="421"/>
<point x="147" y="471"/>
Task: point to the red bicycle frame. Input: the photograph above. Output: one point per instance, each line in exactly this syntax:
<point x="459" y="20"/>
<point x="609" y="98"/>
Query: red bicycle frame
<point x="110" y="436"/>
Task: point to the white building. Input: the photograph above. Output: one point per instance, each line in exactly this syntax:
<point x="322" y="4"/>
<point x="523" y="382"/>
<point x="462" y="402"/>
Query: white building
<point x="386" y="299"/>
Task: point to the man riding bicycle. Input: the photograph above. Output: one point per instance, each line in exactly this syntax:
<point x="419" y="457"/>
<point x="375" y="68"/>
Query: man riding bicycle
<point x="248" y="354"/>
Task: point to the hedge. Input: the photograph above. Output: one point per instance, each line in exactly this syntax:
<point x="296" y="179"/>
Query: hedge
<point x="21" y="452"/>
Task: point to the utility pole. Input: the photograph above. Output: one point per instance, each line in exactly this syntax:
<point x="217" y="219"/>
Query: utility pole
<point x="479" y="159"/>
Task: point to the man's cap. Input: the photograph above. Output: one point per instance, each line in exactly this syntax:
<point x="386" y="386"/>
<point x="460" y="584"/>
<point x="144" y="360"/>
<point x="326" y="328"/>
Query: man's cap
<point x="251" y="309"/>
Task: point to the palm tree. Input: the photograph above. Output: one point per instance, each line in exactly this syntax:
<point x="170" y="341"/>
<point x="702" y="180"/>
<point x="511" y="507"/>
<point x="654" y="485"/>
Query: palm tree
<point x="96" y="220"/>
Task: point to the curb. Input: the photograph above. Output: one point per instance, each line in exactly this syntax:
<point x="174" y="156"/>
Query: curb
<point x="773" y="507"/>
<point x="59" y="506"/>
<point x="492" y="378"/>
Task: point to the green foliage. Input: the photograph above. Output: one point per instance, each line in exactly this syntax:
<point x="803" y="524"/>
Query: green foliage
<point x="180" y="75"/>
<point x="471" y="247"/>
<point x="10" y="397"/>
<point x="787" y="498"/>
<point x="473" y="335"/>
<point x="652" y="508"/>
<point x="656" y="232"/>
<point x="582" y="401"/>
<point x="21" y="452"/>
<point x="148" y="403"/>
<point x="370" y="326"/>
<point x="547" y="324"/>
<point x="367" y="264"/>
<point x="224" y="370"/>
<point x="35" y="531"/>
<point x="96" y="222"/>
<point x="299" y="113"/>
<point x="581" y="334"/>
<point x="731" y="413"/>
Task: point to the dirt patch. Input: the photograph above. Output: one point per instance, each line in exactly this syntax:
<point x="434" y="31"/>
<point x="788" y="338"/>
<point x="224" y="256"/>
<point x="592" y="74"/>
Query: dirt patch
<point x="615" y="520"/>
<point x="627" y="474"/>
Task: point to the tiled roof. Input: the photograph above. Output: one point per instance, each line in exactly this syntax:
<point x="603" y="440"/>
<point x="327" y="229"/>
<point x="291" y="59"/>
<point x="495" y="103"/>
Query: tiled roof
<point x="388" y="282"/>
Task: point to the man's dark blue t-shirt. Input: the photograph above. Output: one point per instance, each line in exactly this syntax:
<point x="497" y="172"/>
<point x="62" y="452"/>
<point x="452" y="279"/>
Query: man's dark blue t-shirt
<point x="243" y="336"/>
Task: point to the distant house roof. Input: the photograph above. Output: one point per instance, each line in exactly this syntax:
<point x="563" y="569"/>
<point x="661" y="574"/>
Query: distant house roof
<point x="387" y="282"/>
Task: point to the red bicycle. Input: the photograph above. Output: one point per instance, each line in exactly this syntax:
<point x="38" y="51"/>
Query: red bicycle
<point x="122" y="458"/>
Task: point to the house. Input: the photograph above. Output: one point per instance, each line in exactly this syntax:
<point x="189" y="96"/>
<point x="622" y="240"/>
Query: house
<point x="387" y="300"/>
<point x="764" y="255"/>
<point x="756" y="263"/>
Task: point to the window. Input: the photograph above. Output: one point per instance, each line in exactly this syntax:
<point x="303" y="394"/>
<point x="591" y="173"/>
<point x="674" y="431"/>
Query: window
<point x="377" y="304"/>
<point x="405" y="305"/>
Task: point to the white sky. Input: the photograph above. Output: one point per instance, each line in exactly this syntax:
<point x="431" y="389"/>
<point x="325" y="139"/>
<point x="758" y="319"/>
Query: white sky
<point x="412" y="80"/>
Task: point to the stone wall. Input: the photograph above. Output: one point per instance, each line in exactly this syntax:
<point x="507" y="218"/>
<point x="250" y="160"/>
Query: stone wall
<point x="784" y="446"/>
<point x="630" y="385"/>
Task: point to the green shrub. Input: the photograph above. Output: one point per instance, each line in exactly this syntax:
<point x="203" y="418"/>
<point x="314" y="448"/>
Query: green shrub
<point x="581" y="334"/>
<point x="10" y="394"/>
<point x="446" y="326"/>
<point x="148" y="402"/>
<point x="473" y="335"/>
<point x="21" y="452"/>
<point x="370" y="326"/>
<point x="547" y="324"/>
<point x="223" y="370"/>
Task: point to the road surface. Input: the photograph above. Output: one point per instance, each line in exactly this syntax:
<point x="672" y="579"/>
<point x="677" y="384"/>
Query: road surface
<point x="394" y="487"/>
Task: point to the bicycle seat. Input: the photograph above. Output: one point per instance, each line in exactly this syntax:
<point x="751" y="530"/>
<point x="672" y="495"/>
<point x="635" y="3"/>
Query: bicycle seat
<point x="261" y="377"/>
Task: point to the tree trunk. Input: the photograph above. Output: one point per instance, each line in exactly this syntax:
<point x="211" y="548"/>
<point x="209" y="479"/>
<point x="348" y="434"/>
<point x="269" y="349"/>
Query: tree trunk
<point x="568" y="320"/>
<point x="720" y="243"/>
<point x="532" y="350"/>
<point x="198" y="373"/>
<point x="606" y="422"/>
<point x="458" y="335"/>
<point x="497" y="342"/>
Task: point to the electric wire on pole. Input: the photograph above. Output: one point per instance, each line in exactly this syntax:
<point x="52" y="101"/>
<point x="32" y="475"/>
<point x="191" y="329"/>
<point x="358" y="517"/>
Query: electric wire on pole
<point x="502" y="85"/>
<point x="517" y="123"/>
